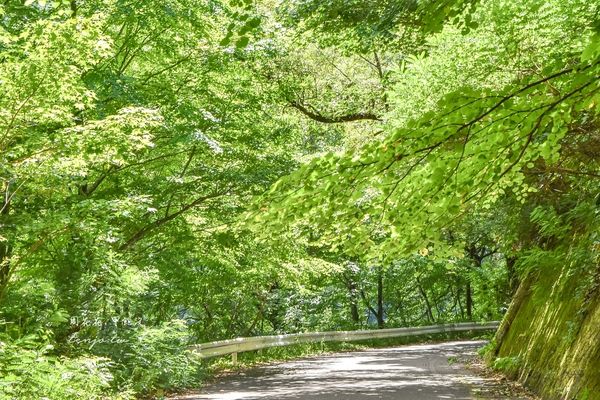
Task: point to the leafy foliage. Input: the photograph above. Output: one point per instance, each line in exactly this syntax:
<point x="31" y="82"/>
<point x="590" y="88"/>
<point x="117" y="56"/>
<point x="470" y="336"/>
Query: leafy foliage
<point x="472" y="149"/>
<point x="29" y="372"/>
<point x="193" y="170"/>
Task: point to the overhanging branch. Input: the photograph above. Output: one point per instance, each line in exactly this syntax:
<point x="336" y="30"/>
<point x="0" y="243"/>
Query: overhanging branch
<point x="140" y="234"/>
<point x="333" y="119"/>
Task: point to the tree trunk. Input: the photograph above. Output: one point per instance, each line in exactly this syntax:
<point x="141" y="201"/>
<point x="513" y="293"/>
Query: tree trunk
<point x="352" y="287"/>
<point x="380" y="312"/>
<point x="513" y="279"/>
<point x="426" y="299"/>
<point x="354" y="313"/>
<point x="5" y="251"/>
<point x="458" y="299"/>
<point x="477" y="260"/>
<point x="469" y="301"/>
<point x="5" y="248"/>
<point x="517" y="301"/>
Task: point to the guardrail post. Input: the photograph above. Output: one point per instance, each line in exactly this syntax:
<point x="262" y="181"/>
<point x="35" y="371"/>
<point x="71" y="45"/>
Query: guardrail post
<point x="234" y="358"/>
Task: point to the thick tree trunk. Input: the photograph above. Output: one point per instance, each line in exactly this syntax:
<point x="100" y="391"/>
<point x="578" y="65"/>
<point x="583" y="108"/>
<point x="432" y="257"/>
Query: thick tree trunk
<point x="352" y="287"/>
<point x="354" y="313"/>
<point x="516" y="303"/>
<point x="352" y="291"/>
<point x="513" y="278"/>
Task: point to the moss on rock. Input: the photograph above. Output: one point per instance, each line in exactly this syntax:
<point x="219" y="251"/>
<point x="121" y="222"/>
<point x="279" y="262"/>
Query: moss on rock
<point x="554" y="330"/>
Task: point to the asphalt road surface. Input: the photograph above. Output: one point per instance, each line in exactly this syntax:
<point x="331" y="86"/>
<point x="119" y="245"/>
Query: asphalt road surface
<point x="416" y="372"/>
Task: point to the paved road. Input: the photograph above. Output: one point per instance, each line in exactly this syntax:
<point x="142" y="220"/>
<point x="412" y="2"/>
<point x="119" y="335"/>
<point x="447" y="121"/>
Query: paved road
<point x="417" y="372"/>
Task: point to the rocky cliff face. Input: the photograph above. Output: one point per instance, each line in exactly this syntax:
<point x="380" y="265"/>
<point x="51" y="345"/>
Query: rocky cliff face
<point x="550" y="337"/>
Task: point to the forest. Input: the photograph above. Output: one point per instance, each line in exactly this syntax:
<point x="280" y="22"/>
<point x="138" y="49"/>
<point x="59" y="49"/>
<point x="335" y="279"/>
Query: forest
<point x="183" y="171"/>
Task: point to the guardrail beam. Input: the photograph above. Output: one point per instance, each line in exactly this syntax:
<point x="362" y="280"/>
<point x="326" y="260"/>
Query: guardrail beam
<point x="238" y="345"/>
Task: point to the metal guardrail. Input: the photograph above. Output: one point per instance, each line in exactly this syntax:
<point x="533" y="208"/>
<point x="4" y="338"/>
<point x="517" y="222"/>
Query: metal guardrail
<point x="238" y="345"/>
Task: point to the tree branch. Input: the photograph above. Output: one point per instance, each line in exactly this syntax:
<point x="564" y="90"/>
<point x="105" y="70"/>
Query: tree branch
<point x="140" y="234"/>
<point x="334" y="119"/>
<point x="86" y="190"/>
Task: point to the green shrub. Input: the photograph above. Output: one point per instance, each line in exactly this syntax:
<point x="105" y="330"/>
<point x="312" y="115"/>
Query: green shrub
<point x="507" y="365"/>
<point x="487" y="352"/>
<point x="28" y="371"/>
<point x="153" y="360"/>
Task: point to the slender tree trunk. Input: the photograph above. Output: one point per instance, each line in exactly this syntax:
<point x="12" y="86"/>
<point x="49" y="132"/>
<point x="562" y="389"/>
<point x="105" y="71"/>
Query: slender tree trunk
<point x="477" y="260"/>
<point x="5" y="251"/>
<point x="458" y="299"/>
<point x="436" y="302"/>
<point x="5" y="247"/>
<point x="352" y="290"/>
<point x="380" y="311"/>
<point x="455" y="301"/>
<point x="426" y="299"/>
<point x="401" y="312"/>
<point x="469" y="300"/>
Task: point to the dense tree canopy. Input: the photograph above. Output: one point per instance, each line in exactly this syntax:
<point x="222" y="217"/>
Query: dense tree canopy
<point x="191" y="170"/>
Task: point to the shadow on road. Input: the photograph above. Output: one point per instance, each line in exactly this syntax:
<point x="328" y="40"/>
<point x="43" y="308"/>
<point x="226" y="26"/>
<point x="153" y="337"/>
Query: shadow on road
<point x="408" y="372"/>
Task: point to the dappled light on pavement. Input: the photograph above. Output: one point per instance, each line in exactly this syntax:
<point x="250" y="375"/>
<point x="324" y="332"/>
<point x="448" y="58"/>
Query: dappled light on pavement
<point x="409" y="372"/>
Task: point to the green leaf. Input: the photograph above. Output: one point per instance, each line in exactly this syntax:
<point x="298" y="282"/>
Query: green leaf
<point x="242" y="42"/>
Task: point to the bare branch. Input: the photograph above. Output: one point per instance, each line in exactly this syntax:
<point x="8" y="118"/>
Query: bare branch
<point x="334" y="119"/>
